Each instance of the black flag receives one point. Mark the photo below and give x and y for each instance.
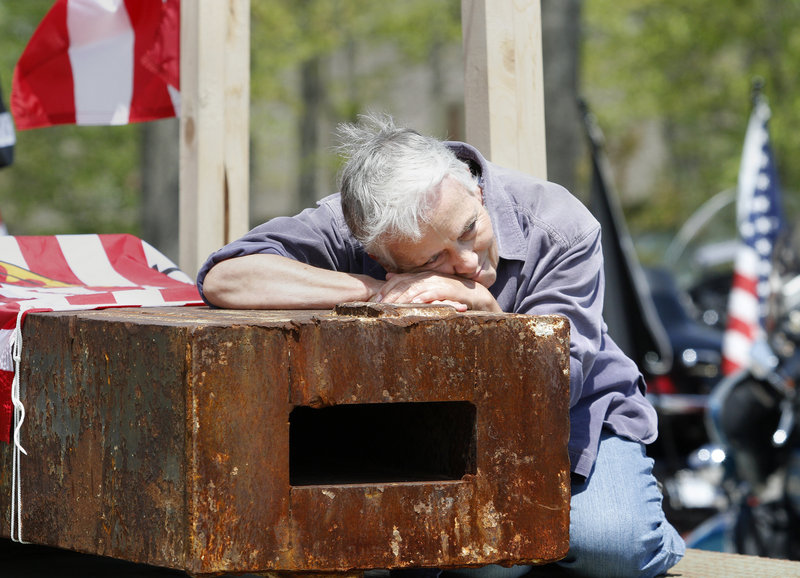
(7, 137)
(628, 309)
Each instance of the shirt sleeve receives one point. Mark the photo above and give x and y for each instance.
(565, 277)
(317, 236)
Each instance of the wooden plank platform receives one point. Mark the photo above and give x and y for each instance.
(705, 564)
(213, 441)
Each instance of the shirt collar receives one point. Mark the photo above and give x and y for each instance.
(499, 203)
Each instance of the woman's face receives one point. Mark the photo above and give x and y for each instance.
(457, 240)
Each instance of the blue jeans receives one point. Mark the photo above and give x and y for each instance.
(617, 526)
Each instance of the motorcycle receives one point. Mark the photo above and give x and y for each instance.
(753, 421)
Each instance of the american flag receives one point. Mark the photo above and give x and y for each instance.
(100, 62)
(759, 220)
(66, 273)
(77, 272)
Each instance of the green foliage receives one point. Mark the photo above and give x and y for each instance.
(76, 179)
(683, 64)
(69, 179)
(286, 34)
(690, 65)
(65, 179)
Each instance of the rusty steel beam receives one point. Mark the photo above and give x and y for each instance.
(371, 436)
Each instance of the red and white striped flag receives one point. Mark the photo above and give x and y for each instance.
(759, 220)
(100, 62)
(75, 272)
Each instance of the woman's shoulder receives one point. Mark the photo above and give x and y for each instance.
(546, 206)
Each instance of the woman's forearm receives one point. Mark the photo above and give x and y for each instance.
(263, 281)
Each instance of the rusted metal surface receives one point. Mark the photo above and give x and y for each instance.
(163, 436)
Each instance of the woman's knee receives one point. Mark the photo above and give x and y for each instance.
(617, 526)
(611, 546)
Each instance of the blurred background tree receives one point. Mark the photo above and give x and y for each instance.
(669, 81)
(64, 179)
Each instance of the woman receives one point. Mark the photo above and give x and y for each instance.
(424, 221)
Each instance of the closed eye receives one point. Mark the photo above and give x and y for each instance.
(469, 230)
(432, 260)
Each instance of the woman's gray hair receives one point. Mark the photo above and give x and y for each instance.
(391, 179)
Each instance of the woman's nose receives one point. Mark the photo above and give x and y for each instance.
(465, 263)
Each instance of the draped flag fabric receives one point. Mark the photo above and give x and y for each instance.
(75, 272)
(7, 136)
(759, 221)
(100, 62)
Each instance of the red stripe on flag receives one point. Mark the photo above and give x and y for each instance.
(740, 326)
(9, 308)
(183, 293)
(7, 378)
(150, 99)
(729, 366)
(6, 405)
(96, 299)
(44, 257)
(126, 255)
(43, 92)
(164, 56)
(745, 283)
(8, 316)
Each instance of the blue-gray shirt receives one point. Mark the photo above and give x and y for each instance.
(550, 262)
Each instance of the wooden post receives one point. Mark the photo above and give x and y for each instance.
(503, 82)
(214, 137)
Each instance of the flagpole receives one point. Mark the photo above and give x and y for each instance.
(503, 83)
(757, 90)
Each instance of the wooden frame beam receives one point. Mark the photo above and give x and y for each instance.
(503, 94)
(503, 82)
(214, 135)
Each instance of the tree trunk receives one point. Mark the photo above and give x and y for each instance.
(561, 30)
(311, 89)
(160, 170)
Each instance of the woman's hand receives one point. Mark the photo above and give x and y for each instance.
(432, 287)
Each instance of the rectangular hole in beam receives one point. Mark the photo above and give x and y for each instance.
(381, 442)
